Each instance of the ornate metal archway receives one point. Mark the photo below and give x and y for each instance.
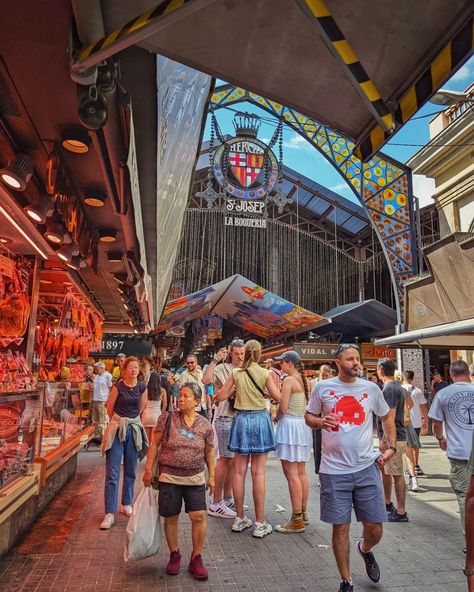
(382, 185)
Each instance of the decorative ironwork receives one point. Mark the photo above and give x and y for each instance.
(382, 185)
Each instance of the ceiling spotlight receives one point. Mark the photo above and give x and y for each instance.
(67, 253)
(48, 282)
(114, 257)
(125, 306)
(76, 140)
(76, 263)
(41, 209)
(17, 172)
(121, 278)
(107, 235)
(4, 240)
(94, 198)
(54, 233)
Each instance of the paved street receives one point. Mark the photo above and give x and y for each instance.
(425, 554)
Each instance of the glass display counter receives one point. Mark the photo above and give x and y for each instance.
(19, 433)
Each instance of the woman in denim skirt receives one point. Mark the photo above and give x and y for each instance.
(251, 434)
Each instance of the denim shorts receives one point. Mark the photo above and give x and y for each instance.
(362, 490)
(252, 433)
(171, 497)
(223, 426)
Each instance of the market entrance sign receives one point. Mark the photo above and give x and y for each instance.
(371, 352)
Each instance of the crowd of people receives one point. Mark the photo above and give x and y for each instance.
(195, 442)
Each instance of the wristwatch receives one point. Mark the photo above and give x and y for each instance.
(468, 571)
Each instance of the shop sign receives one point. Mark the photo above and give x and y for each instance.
(316, 351)
(9, 422)
(247, 222)
(114, 344)
(372, 352)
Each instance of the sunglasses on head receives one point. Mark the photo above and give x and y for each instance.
(343, 346)
(237, 343)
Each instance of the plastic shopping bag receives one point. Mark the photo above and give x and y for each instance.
(143, 534)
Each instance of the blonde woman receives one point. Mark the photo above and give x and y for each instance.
(294, 439)
(251, 434)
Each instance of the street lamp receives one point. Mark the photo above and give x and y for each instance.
(449, 98)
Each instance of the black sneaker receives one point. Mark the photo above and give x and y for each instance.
(390, 508)
(371, 566)
(396, 517)
(346, 586)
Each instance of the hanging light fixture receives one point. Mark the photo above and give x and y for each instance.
(54, 233)
(107, 235)
(75, 139)
(94, 198)
(114, 257)
(17, 172)
(76, 263)
(67, 253)
(39, 210)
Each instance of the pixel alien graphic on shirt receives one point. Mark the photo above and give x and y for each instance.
(349, 408)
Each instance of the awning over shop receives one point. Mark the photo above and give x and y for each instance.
(361, 67)
(244, 304)
(362, 319)
(458, 335)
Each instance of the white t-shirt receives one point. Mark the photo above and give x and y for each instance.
(350, 449)
(455, 406)
(418, 399)
(102, 386)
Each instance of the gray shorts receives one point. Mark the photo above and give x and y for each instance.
(223, 426)
(413, 436)
(362, 490)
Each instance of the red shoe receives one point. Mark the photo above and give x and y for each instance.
(196, 567)
(174, 564)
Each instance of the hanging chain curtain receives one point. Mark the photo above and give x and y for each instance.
(211, 252)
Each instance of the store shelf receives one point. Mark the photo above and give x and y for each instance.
(15, 495)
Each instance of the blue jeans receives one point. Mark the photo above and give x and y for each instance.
(113, 458)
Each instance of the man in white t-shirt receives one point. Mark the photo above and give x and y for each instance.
(217, 373)
(419, 421)
(453, 408)
(194, 374)
(100, 394)
(349, 475)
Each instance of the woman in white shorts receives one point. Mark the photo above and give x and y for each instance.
(294, 439)
(156, 402)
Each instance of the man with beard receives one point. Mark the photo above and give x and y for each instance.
(216, 373)
(349, 475)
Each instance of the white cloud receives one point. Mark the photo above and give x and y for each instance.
(464, 74)
(297, 142)
(423, 188)
(338, 187)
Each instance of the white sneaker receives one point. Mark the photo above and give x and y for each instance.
(241, 524)
(220, 510)
(413, 485)
(262, 529)
(230, 503)
(127, 510)
(107, 522)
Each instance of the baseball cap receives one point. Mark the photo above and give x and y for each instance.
(289, 356)
(99, 365)
(120, 356)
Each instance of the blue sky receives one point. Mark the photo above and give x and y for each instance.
(301, 156)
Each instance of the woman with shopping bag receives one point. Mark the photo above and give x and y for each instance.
(185, 442)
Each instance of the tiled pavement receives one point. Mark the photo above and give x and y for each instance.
(423, 555)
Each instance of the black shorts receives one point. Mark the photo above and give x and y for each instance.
(171, 496)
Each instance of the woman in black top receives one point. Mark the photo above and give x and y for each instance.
(125, 437)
